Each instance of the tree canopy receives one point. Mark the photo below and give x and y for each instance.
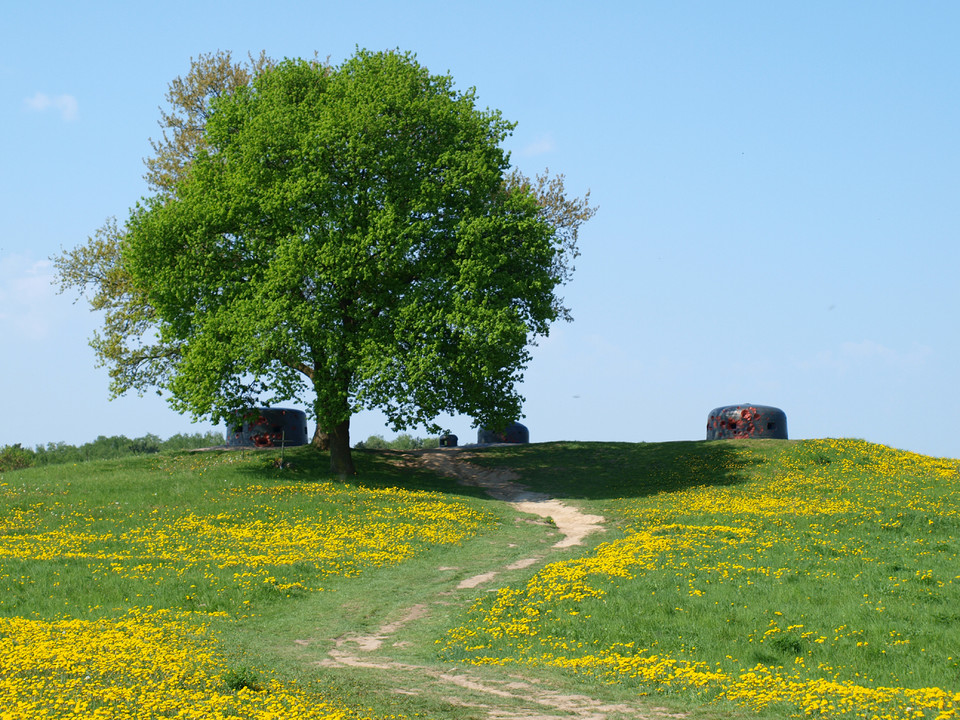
(353, 234)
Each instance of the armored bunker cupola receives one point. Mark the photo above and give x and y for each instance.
(746, 421)
(513, 433)
(268, 427)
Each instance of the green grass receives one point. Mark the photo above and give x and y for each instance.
(817, 560)
(262, 554)
(176, 530)
(781, 577)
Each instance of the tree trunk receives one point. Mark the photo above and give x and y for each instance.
(321, 439)
(341, 460)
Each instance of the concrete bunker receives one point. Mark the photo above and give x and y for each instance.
(448, 440)
(269, 427)
(746, 421)
(513, 433)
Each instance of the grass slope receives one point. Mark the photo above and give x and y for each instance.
(779, 577)
(814, 577)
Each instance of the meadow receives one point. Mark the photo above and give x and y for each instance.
(735, 579)
(794, 578)
(115, 576)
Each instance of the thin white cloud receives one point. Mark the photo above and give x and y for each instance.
(66, 105)
(28, 304)
(541, 146)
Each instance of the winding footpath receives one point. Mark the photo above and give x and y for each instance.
(502, 484)
(490, 696)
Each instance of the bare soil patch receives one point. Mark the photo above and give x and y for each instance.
(502, 484)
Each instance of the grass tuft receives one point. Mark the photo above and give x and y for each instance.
(242, 678)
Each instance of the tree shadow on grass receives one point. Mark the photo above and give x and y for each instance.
(576, 470)
(376, 469)
(607, 470)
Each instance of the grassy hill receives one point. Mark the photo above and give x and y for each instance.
(734, 579)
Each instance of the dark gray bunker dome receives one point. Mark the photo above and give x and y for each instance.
(746, 421)
(513, 433)
(269, 427)
(448, 440)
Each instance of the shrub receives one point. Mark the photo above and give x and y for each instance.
(14, 457)
(404, 441)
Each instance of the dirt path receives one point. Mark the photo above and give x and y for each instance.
(502, 484)
(488, 695)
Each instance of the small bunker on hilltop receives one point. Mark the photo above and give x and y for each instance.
(268, 427)
(746, 421)
(513, 433)
(448, 440)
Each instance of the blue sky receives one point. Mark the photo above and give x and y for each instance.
(777, 187)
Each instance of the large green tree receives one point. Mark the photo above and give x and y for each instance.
(349, 233)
